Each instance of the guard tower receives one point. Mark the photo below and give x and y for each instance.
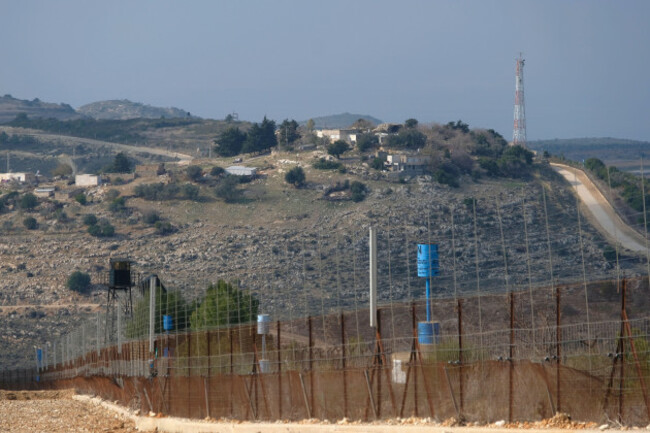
(120, 283)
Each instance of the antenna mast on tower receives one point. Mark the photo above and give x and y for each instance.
(519, 132)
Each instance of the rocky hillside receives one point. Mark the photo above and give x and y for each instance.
(11, 107)
(300, 251)
(122, 109)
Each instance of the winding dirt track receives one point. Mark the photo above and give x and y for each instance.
(183, 158)
(600, 211)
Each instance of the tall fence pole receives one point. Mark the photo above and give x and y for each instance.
(558, 350)
(343, 366)
(461, 360)
(311, 366)
(152, 312)
(621, 401)
(279, 345)
(511, 357)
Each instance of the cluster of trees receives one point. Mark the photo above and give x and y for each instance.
(324, 164)
(259, 138)
(100, 228)
(627, 184)
(223, 304)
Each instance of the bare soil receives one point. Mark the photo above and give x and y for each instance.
(56, 412)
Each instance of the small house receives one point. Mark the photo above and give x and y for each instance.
(44, 192)
(88, 180)
(240, 170)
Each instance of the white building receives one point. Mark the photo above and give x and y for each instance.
(18, 177)
(240, 170)
(347, 135)
(87, 180)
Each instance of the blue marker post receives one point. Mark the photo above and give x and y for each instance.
(428, 266)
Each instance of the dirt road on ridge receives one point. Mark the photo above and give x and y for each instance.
(601, 213)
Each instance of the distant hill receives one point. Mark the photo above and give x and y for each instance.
(11, 107)
(342, 120)
(606, 149)
(123, 109)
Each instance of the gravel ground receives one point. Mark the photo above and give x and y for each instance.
(56, 412)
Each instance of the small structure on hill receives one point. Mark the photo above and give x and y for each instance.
(18, 177)
(44, 192)
(88, 180)
(240, 170)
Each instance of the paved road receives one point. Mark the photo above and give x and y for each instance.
(601, 212)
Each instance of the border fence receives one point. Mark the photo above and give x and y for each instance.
(535, 312)
(531, 355)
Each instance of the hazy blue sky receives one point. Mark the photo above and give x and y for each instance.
(586, 74)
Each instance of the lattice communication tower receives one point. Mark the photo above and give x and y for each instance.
(519, 132)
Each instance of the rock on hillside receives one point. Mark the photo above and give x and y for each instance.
(125, 109)
(10, 107)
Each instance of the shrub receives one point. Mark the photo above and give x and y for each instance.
(90, 219)
(103, 229)
(117, 205)
(217, 171)
(358, 191)
(323, 164)
(151, 217)
(80, 198)
(28, 201)
(227, 189)
(295, 176)
(112, 194)
(30, 223)
(377, 164)
(79, 282)
(194, 173)
(164, 227)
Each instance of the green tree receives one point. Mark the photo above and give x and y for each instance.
(261, 137)
(90, 219)
(366, 141)
(121, 164)
(28, 201)
(310, 125)
(79, 282)
(30, 223)
(358, 190)
(81, 198)
(295, 176)
(411, 123)
(288, 131)
(408, 138)
(515, 161)
(338, 148)
(230, 142)
(168, 303)
(224, 304)
(194, 173)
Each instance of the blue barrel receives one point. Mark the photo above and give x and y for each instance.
(168, 323)
(428, 265)
(428, 332)
(425, 332)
